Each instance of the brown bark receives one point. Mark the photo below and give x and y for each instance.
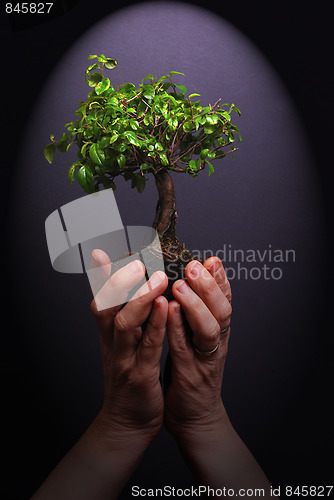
(165, 217)
(175, 255)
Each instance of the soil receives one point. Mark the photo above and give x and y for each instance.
(176, 257)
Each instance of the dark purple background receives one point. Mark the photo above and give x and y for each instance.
(271, 193)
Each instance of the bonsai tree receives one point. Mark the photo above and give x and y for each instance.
(145, 131)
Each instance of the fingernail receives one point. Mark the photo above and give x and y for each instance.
(158, 301)
(177, 307)
(182, 287)
(157, 278)
(195, 270)
(134, 267)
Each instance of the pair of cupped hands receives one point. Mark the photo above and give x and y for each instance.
(134, 405)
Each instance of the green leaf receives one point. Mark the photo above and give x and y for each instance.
(86, 179)
(102, 86)
(149, 92)
(93, 57)
(132, 138)
(108, 183)
(134, 125)
(83, 149)
(94, 79)
(211, 169)
(128, 175)
(148, 77)
(212, 119)
(141, 183)
(237, 110)
(147, 119)
(100, 170)
(193, 165)
(182, 88)
(193, 95)
(114, 137)
(158, 146)
(204, 153)
(145, 166)
(96, 154)
(235, 128)
(127, 87)
(49, 151)
(163, 158)
(91, 68)
(209, 129)
(162, 78)
(173, 123)
(62, 145)
(141, 108)
(113, 101)
(176, 73)
(110, 63)
(72, 170)
(226, 115)
(102, 58)
(104, 142)
(121, 147)
(188, 126)
(121, 160)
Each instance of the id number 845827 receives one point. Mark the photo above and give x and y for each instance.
(28, 8)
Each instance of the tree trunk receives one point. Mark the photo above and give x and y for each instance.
(165, 217)
(175, 255)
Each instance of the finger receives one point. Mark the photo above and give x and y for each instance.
(99, 270)
(216, 269)
(205, 327)
(179, 345)
(206, 287)
(150, 348)
(100, 262)
(128, 321)
(113, 294)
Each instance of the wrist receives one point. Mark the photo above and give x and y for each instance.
(113, 435)
(198, 433)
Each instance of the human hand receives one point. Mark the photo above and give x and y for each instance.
(193, 399)
(133, 401)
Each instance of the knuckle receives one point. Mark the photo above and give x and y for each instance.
(211, 334)
(124, 377)
(227, 312)
(211, 287)
(228, 295)
(154, 323)
(149, 342)
(120, 323)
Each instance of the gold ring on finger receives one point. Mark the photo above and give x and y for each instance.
(225, 330)
(205, 353)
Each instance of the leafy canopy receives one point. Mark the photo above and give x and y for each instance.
(132, 131)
